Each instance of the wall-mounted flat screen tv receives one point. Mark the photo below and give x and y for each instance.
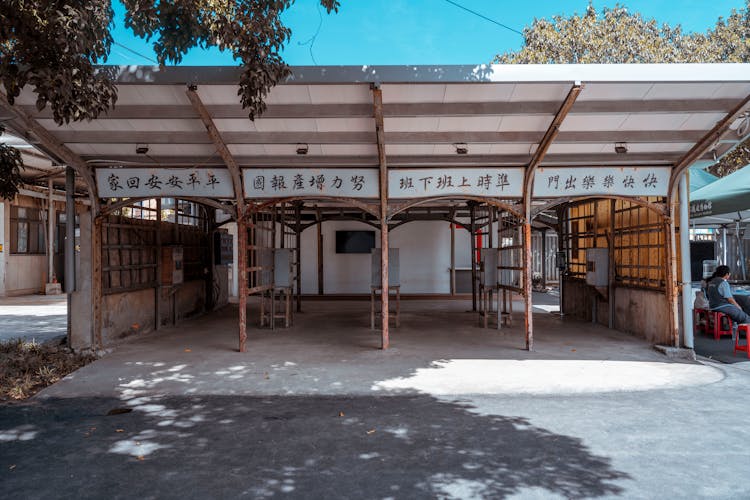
(355, 241)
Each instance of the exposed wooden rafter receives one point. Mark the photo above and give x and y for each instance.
(544, 145)
(708, 142)
(24, 125)
(345, 110)
(221, 147)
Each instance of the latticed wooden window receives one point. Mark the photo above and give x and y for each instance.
(635, 234)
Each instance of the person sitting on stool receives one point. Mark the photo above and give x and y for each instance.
(720, 297)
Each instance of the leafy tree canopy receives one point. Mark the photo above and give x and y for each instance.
(616, 35)
(54, 46)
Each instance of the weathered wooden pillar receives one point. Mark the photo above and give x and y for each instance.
(528, 320)
(543, 258)
(453, 259)
(242, 273)
(298, 243)
(671, 270)
(320, 257)
(97, 295)
(157, 242)
(377, 94)
(473, 247)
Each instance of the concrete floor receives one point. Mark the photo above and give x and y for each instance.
(318, 411)
(34, 317)
(331, 350)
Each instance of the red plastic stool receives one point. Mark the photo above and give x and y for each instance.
(744, 328)
(719, 328)
(698, 315)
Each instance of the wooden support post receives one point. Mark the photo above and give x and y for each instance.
(157, 295)
(320, 258)
(671, 274)
(612, 270)
(527, 286)
(298, 243)
(384, 334)
(242, 273)
(70, 224)
(453, 259)
(97, 295)
(472, 243)
(377, 94)
(543, 258)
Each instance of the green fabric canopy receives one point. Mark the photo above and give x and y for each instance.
(728, 195)
(700, 178)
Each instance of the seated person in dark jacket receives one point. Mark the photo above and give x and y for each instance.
(720, 296)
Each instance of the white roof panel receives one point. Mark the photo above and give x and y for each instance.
(410, 124)
(425, 100)
(408, 93)
(614, 91)
(525, 123)
(479, 92)
(156, 95)
(593, 122)
(540, 92)
(340, 94)
(468, 123)
(345, 124)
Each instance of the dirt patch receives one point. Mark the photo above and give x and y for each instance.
(27, 367)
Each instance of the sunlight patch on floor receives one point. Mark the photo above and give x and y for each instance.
(487, 376)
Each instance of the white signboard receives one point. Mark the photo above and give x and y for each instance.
(164, 182)
(328, 182)
(622, 181)
(429, 182)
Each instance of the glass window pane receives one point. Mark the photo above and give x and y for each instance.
(23, 237)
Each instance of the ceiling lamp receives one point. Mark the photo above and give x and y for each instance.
(302, 149)
(461, 148)
(621, 148)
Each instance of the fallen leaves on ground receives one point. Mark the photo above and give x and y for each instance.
(28, 367)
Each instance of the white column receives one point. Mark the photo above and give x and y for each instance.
(687, 289)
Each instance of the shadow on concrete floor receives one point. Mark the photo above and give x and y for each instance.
(438, 349)
(302, 447)
(721, 350)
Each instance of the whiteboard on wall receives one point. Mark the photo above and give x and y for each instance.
(436, 182)
(556, 182)
(164, 182)
(325, 182)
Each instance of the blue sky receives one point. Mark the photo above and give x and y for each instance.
(422, 31)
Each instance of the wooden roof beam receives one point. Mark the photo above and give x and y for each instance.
(392, 110)
(24, 124)
(544, 146)
(221, 147)
(708, 142)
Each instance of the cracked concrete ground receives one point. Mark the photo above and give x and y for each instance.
(317, 411)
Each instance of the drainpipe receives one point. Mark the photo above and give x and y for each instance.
(687, 289)
(50, 234)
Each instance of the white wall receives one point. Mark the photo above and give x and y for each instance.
(424, 249)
